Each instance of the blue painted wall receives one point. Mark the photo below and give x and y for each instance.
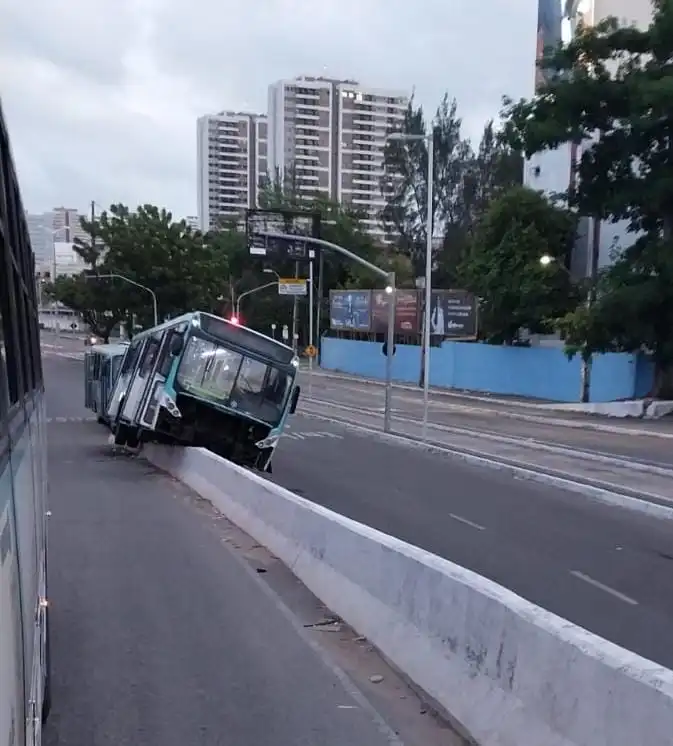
(534, 372)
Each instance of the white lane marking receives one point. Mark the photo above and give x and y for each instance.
(603, 587)
(460, 519)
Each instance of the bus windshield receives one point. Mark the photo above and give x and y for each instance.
(217, 373)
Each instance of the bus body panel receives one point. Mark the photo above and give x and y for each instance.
(23, 479)
(101, 366)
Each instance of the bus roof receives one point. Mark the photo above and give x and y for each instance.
(268, 346)
(112, 349)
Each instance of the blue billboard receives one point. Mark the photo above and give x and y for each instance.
(350, 310)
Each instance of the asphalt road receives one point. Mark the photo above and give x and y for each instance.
(161, 634)
(607, 569)
(603, 568)
(496, 418)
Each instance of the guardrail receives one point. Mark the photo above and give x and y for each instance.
(509, 672)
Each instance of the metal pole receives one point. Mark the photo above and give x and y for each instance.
(428, 283)
(310, 326)
(295, 311)
(250, 292)
(390, 345)
(155, 307)
(328, 245)
(318, 313)
(585, 370)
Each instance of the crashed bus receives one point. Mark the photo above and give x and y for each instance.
(201, 380)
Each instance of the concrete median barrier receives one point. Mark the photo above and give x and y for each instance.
(510, 673)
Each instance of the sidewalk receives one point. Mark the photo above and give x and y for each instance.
(525, 409)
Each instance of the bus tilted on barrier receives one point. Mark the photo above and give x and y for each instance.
(24, 642)
(201, 380)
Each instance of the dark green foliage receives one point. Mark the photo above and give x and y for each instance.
(504, 268)
(616, 83)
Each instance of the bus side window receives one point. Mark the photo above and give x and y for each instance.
(166, 359)
(95, 374)
(149, 357)
(131, 357)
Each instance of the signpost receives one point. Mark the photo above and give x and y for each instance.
(264, 228)
(292, 286)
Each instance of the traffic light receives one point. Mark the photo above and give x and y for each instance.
(233, 319)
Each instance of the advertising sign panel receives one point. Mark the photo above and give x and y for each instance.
(407, 311)
(350, 310)
(453, 314)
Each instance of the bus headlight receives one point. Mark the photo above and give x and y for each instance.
(269, 442)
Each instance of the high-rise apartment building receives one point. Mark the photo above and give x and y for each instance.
(551, 171)
(66, 226)
(39, 230)
(330, 136)
(61, 225)
(231, 151)
(365, 118)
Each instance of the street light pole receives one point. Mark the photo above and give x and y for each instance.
(250, 292)
(430, 140)
(390, 289)
(134, 283)
(428, 283)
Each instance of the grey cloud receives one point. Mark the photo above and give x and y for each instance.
(102, 97)
(89, 39)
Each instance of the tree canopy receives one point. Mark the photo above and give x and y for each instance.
(610, 92)
(464, 182)
(504, 266)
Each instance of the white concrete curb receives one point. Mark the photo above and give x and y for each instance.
(509, 672)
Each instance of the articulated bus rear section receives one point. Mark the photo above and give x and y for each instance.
(24, 650)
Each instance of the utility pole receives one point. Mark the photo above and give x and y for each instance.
(93, 229)
(295, 311)
(585, 371)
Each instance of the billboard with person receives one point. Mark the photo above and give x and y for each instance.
(453, 314)
(407, 311)
(350, 310)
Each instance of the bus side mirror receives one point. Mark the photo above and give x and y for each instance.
(295, 399)
(177, 343)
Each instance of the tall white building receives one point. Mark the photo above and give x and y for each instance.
(550, 171)
(39, 230)
(231, 150)
(330, 134)
(66, 226)
(46, 229)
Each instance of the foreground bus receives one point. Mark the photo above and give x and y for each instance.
(200, 380)
(102, 363)
(24, 650)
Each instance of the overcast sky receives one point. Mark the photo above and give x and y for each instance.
(101, 96)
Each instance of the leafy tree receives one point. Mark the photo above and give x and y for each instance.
(404, 184)
(610, 89)
(100, 311)
(505, 271)
(463, 185)
(184, 268)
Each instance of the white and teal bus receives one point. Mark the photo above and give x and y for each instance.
(200, 380)
(24, 648)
